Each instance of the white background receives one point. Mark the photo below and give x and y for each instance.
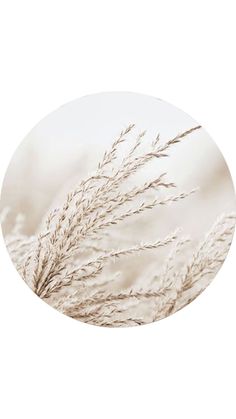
(53, 52)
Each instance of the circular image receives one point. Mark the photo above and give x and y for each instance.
(118, 209)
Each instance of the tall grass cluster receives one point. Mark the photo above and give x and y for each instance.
(65, 262)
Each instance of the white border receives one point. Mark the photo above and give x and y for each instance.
(54, 52)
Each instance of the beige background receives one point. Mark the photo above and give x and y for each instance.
(67, 144)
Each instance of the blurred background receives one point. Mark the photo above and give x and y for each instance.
(67, 145)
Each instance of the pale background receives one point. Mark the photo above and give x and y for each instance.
(183, 366)
(66, 146)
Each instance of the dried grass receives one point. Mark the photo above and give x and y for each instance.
(53, 264)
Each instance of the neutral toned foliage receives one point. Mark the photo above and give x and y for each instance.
(65, 262)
